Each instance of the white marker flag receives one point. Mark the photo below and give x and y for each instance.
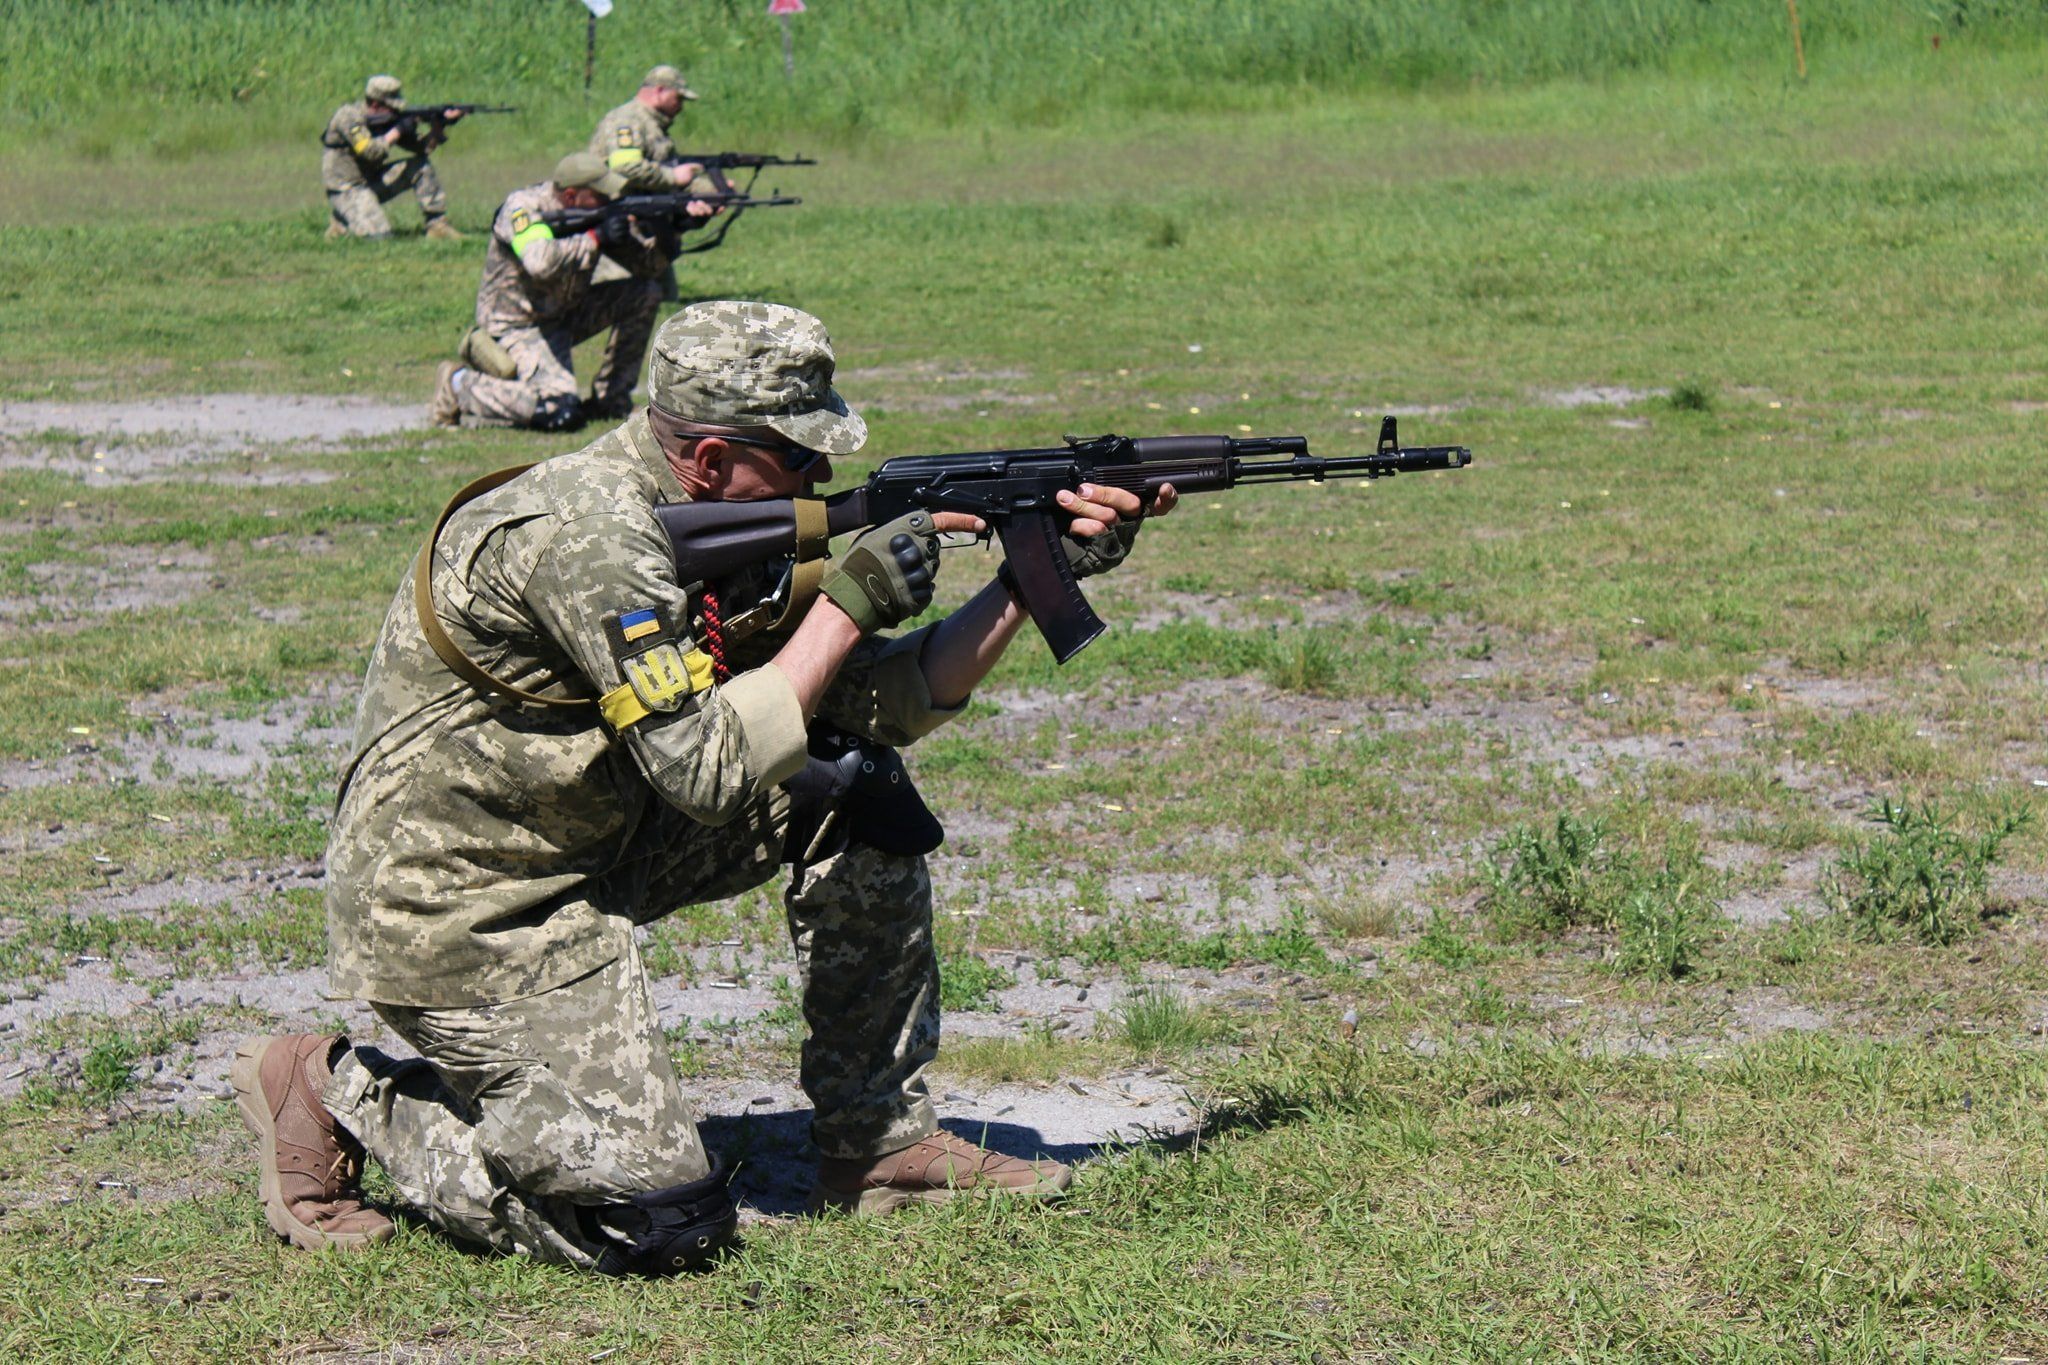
(598, 8)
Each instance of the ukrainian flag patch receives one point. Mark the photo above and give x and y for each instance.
(634, 624)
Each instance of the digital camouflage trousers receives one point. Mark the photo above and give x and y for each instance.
(360, 208)
(546, 381)
(515, 1116)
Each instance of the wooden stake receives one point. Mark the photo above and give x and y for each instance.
(589, 50)
(1798, 47)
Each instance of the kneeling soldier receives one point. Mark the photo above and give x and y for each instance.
(559, 741)
(360, 174)
(541, 295)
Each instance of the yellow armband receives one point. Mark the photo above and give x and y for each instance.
(657, 680)
(527, 229)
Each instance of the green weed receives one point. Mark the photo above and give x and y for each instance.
(1662, 926)
(1442, 942)
(1920, 874)
(1158, 1021)
(968, 983)
(1549, 881)
(1691, 395)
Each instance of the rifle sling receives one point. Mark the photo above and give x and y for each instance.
(813, 543)
(449, 652)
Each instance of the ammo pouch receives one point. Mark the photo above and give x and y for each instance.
(865, 786)
(683, 1227)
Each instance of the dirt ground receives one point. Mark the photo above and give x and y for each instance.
(1536, 704)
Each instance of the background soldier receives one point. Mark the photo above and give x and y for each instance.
(492, 852)
(633, 138)
(360, 174)
(540, 296)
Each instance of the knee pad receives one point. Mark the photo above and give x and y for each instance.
(683, 1227)
(558, 412)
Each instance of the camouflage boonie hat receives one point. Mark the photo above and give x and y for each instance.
(385, 90)
(738, 364)
(666, 77)
(586, 171)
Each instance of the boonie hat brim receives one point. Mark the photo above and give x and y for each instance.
(834, 428)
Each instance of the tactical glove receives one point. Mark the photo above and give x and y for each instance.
(615, 230)
(1102, 551)
(886, 576)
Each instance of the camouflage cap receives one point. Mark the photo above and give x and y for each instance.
(666, 77)
(732, 363)
(385, 90)
(586, 171)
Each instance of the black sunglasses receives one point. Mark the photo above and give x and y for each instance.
(795, 458)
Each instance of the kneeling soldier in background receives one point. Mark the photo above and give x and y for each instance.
(541, 294)
(360, 174)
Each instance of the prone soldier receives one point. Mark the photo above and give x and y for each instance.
(360, 174)
(558, 741)
(542, 294)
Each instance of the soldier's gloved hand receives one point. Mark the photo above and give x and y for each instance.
(614, 230)
(1102, 551)
(886, 575)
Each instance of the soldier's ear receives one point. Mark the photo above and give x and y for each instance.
(711, 459)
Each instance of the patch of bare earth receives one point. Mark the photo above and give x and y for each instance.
(171, 744)
(71, 594)
(240, 439)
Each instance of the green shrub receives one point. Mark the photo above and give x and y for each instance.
(968, 983)
(1692, 395)
(1303, 661)
(1555, 880)
(1662, 925)
(1444, 944)
(1157, 1021)
(1919, 874)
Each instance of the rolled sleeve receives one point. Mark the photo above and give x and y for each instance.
(771, 721)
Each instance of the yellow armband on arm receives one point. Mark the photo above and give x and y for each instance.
(527, 229)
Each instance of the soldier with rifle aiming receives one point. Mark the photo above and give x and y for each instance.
(633, 138)
(545, 289)
(360, 173)
(561, 737)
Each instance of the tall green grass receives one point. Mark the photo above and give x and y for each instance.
(175, 78)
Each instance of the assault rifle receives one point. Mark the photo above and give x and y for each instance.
(424, 127)
(667, 215)
(1016, 491)
(716, 164)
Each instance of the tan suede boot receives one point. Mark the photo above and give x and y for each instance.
(932, 1171)
(441, 230)
(443, 410)
(310, 1167)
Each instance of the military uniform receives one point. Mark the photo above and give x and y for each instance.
(489, 861)
(360, 172)
(633, 140)
(539, 298)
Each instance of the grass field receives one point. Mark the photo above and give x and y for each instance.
(1472, 879)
